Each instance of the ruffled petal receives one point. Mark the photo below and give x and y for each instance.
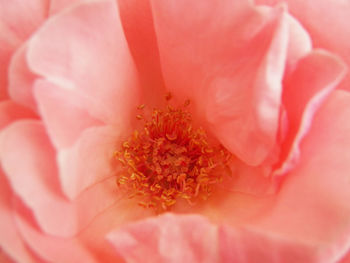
(167, 238)
(229, 58)
(50, 248)
(18, 20)
(326, 22)
(307, 87)
(89, 161)
(312, 205)
(36, 181)
(10, 239)
(11, 111)
(59, 5)
(93, 61)
(21, 79)
(242, 245)
(308, 219)
(63, 113)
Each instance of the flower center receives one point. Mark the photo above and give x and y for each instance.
(169, 159)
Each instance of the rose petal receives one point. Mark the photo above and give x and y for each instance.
(10, 239)
(39, 188)
(229, 58)
(248, 245)
(93, 61)
(63, 113)
(50, 248)
(308, 219)
(313, 202)
(137, 20)
(167, 238)
(299, 43)
(59, 5)
(11, 111)
(94, 237)
(19, 19)
(315, 77)
(21, 79)
(89, 160)
(326, 22)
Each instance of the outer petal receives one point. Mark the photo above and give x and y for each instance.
(63, 113)
(326, 22)
(89, 160)
(50, 248)
(167, 238)
(307, 87)
(93, 61)
(18, 20)
(250, 245)
(313, 202)
(10, 239)
(59, 5)
(308, 219)
(229, 58)
(36, 181)
(11, 111)
(21, 79)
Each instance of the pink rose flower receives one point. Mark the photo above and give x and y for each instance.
(266, 80)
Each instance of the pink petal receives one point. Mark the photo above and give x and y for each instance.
(308, 219)
(299, 43)
(50, 248)
(229, 58)
(123, 212)
(167, 238)
(250, 245)
(11, 111)
(137, 20)
(10, 240)
(312, 81)
(19, 19)
(21, 79)
(313, 202)
(89, 160)
(63, 113)
(93, 61)
(345, 259)
(59, 5)
(326, 22)
(39, 189)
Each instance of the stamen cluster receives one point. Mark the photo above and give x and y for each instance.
(169, 159)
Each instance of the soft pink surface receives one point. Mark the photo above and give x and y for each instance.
(167, 238)
(21, 79)
(293, 228)
(326, 21)
(19, 19)
(209, 64)
(11, 111)
(40, 188)
(10, 239)
(93, 61)
(315, 76)
(94, 69)
(143, 47)
(59, 5)
(89, 160)
(59, 109)
(252, 78)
